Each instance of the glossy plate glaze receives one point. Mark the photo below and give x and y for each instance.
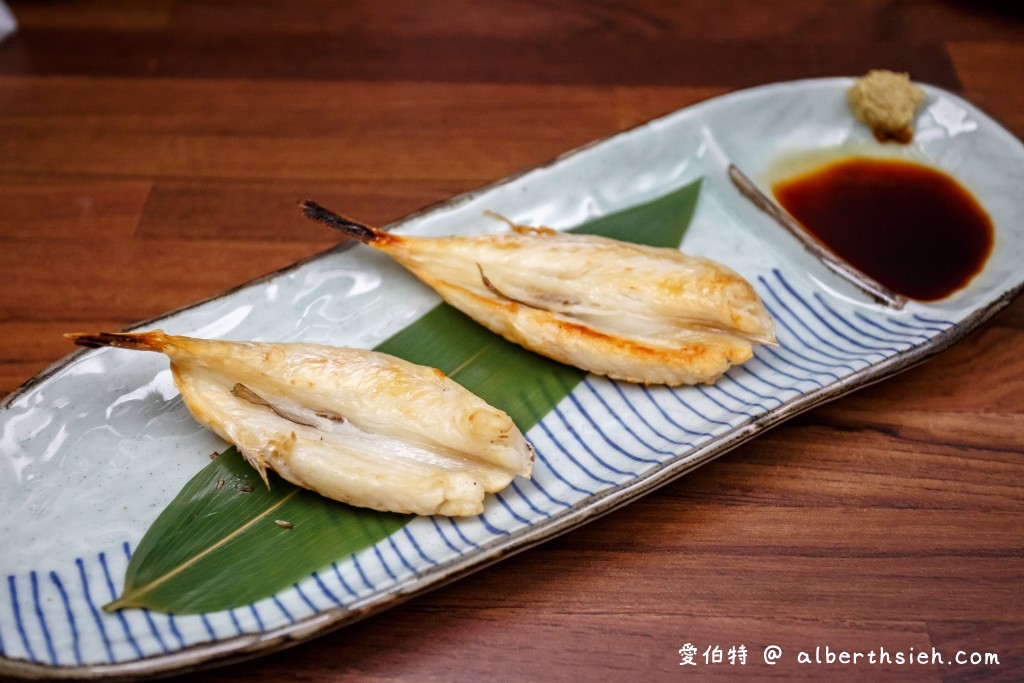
(92, 450)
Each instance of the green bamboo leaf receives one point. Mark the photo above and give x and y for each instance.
(658, 223)
(227, 540)
(219, 545)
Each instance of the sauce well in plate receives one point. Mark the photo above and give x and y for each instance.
(911, 227)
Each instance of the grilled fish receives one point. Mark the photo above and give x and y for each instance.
(358, 426)
(627, 311)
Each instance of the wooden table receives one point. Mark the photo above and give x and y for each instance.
(151, 155)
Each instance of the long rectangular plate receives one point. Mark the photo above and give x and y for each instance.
(95, 447)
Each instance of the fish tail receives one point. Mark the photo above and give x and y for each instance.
(364, 233)
(154, 340)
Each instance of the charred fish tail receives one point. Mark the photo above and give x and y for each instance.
(144, 341)
(363, 233)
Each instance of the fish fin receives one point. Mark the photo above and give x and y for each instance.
(258, 463)
(522, 229)
(536, 300)
(246, 394)
(154, 340)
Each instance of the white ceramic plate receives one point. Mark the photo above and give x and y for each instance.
(94, 449)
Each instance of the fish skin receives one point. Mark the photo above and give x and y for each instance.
(374, 430)
(701, 360)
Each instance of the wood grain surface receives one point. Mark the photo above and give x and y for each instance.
(151, 154)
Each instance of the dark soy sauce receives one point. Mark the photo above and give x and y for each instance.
(910, 227)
